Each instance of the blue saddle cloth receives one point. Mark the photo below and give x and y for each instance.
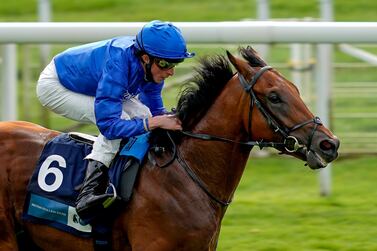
(60, 172)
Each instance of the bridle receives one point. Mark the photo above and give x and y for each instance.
(289, 142)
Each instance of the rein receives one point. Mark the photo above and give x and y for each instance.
(177, 156)
(199, 182)
(290, 143)
(209, 137)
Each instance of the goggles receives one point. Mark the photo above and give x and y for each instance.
(165, 65)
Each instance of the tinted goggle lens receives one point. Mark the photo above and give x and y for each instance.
(163, 64)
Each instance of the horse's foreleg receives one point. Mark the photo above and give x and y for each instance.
(214, 240)
(8, 241)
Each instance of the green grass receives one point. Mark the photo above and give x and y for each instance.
(277, 207)
(181, 10)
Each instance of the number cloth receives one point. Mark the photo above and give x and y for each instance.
(59, 173)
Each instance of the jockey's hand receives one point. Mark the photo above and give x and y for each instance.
(169, 122)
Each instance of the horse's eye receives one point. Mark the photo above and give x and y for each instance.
(274, 98)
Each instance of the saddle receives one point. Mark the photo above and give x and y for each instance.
(59, 174)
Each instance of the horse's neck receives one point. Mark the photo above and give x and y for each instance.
(219, 164)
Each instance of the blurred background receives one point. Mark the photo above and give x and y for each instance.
(280, 204)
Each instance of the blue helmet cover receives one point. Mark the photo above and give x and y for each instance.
(162, 40)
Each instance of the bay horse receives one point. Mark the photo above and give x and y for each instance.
(181, 206)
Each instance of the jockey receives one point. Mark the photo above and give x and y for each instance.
(115, 84)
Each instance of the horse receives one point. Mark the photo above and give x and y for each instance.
(181, 195)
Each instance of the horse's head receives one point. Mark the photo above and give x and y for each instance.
(278, 114)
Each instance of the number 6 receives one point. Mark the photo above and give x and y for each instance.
(46, 170)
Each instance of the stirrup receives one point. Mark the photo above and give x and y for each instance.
(110, 201)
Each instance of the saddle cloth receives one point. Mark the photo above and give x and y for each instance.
(59, 174)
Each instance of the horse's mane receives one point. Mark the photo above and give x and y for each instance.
(200, 91)
(210, 77)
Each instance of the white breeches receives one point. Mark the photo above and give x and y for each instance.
(53, 95)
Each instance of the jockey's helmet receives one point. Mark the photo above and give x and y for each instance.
(162, 40)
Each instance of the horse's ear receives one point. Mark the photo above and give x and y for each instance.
(242, 66)
(252, 56)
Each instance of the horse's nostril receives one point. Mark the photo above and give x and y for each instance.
(329, 145)
(326, 145)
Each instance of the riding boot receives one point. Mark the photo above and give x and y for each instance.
(93, 196)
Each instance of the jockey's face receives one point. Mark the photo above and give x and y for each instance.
(159, 74)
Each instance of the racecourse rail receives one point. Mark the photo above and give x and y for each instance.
(197, 32)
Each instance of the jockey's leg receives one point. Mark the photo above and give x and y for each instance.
(104, 150)
(53, 95)
(93, 195)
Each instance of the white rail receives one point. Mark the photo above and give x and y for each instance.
(359, 53)
(198, 32)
